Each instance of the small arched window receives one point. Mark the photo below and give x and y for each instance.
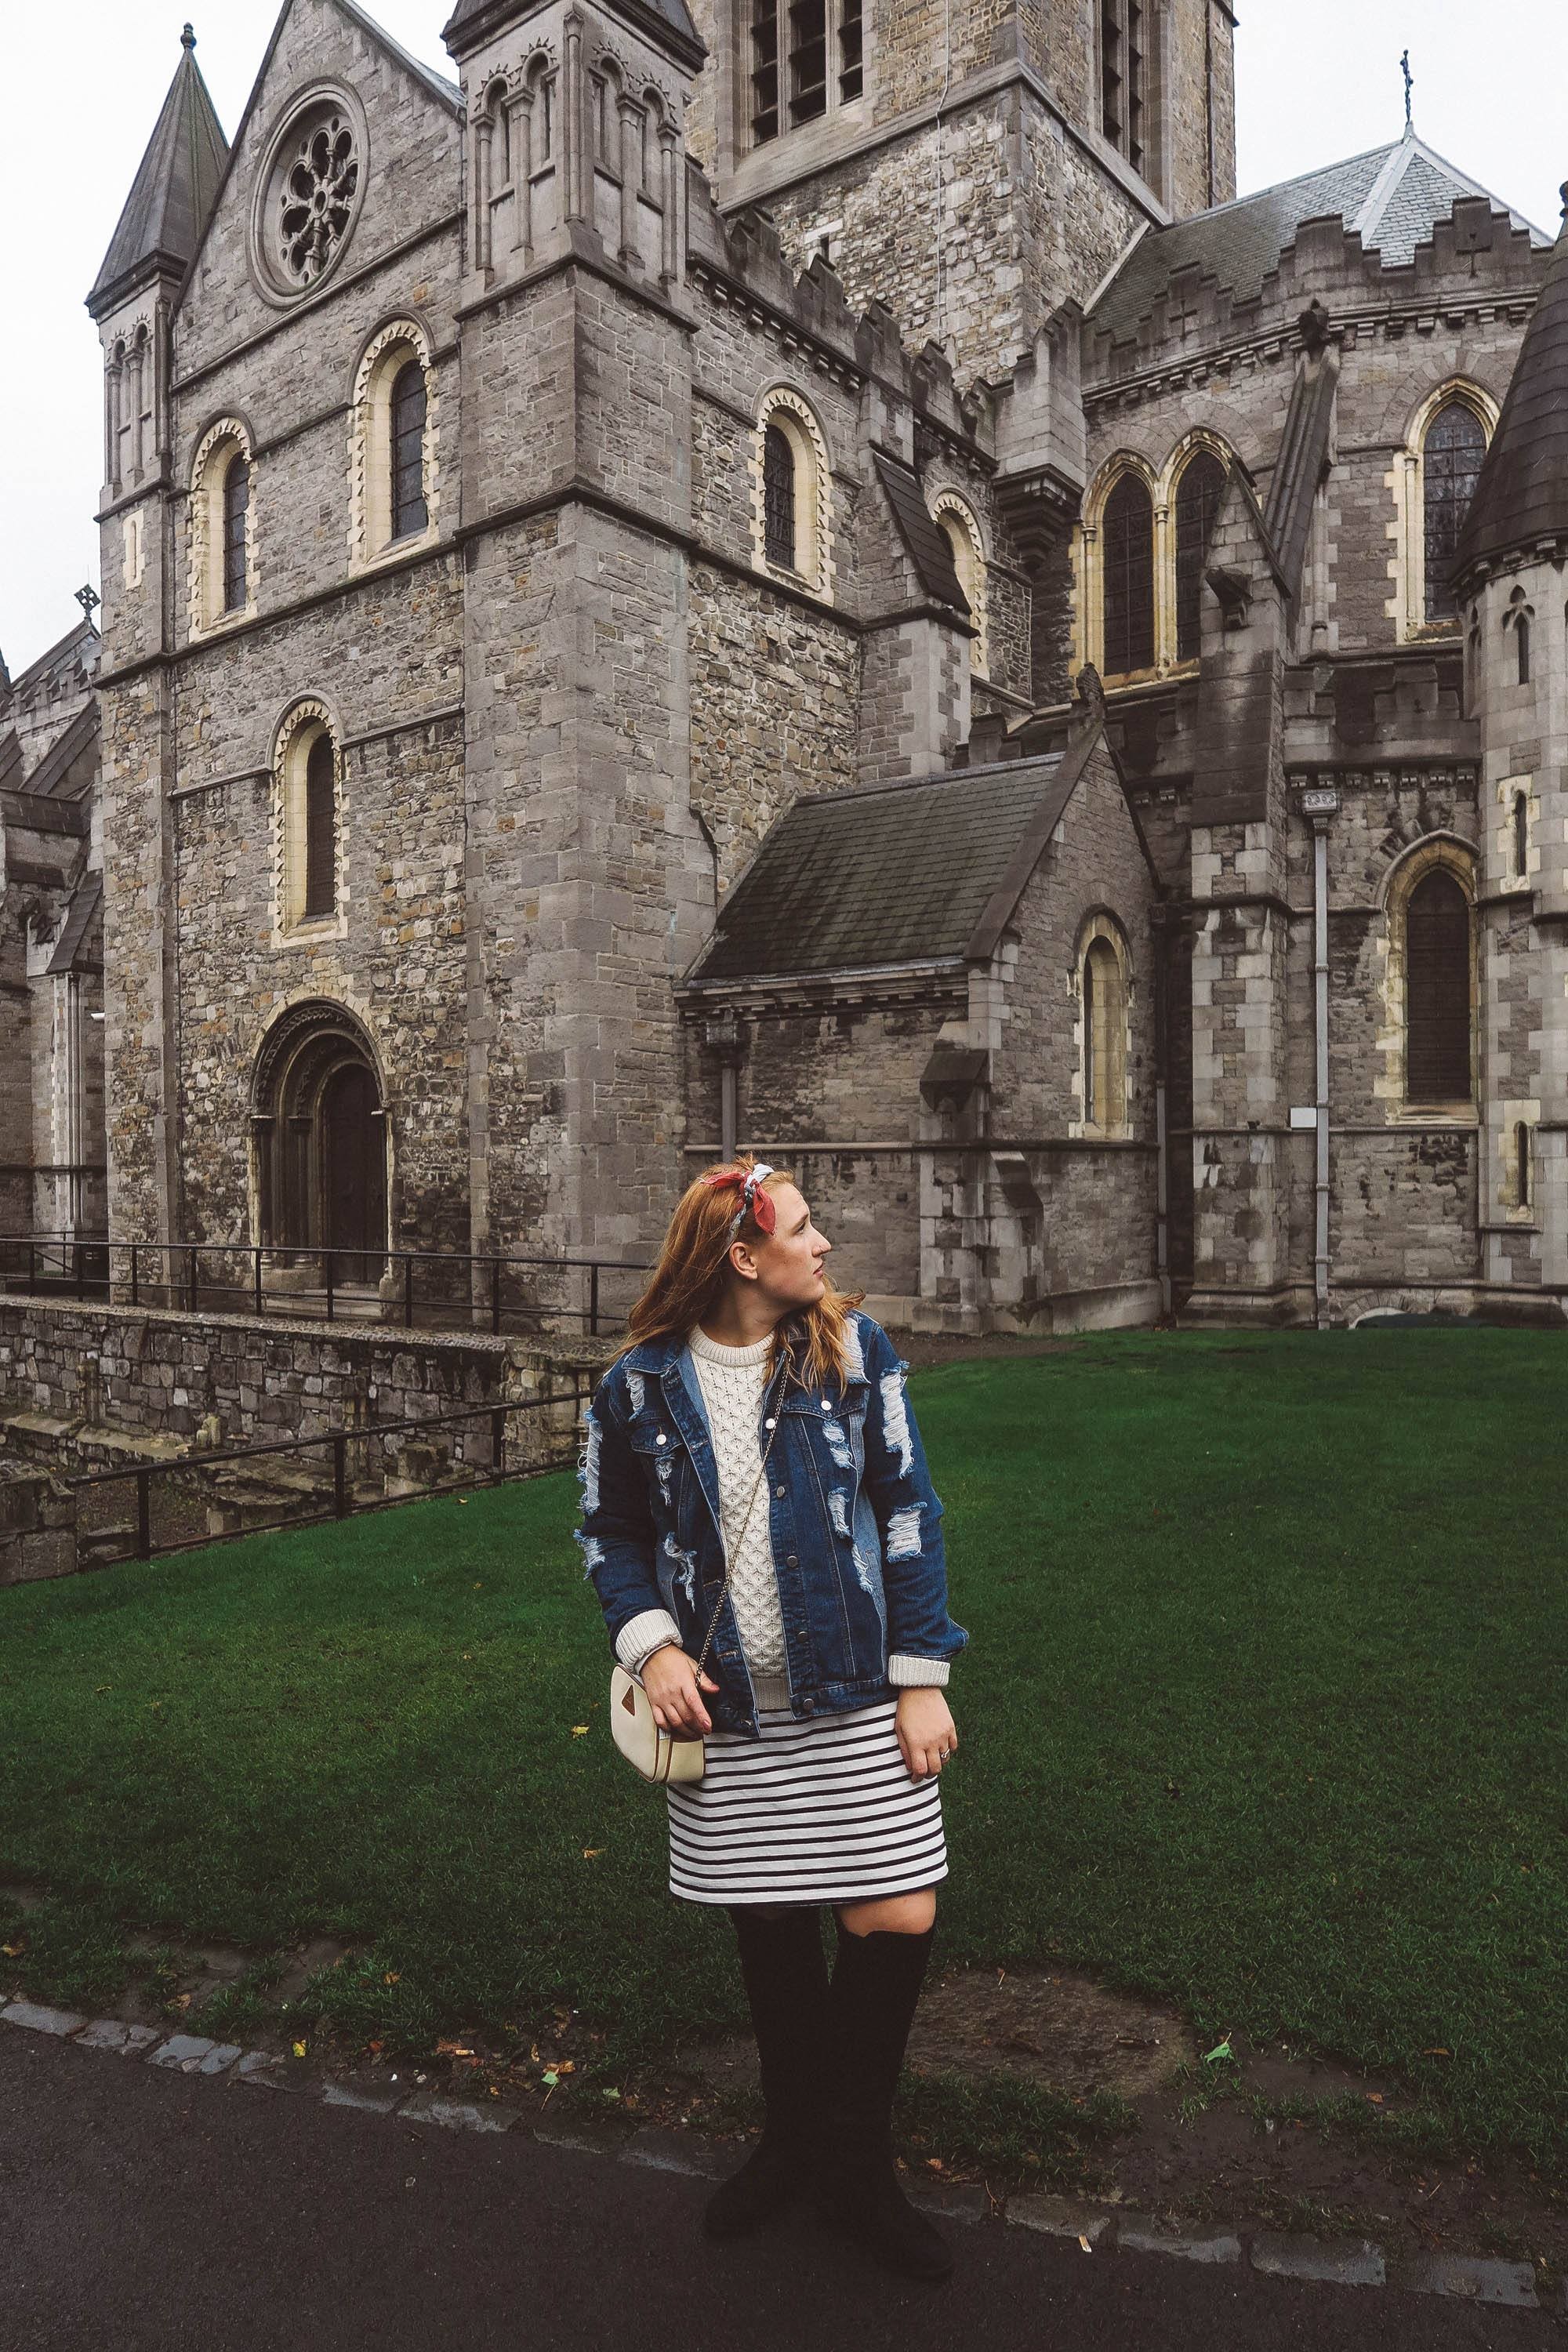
(235, 525)
(1522, 1191)
(778, 497)
(1129, 532)
(959, 528)
(1104, 1036)
(409, 511)
(1452, 453)
(1198, 494)
(1437, 991)
(321, 844)
(1521, 834)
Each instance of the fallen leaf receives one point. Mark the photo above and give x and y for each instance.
(551, 2078)
(453, 2050)
(1437, 2053)
(299, 2049)
(393, 1976)
(1220, 2049)
(1375, 2096)
(12, 1951)
(590, 1851)
(1083, 2241)
(181, 2001)
(579, 1730)
(934, 2163)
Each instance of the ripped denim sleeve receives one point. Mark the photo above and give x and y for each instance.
(616, 1527)
(909, 1512)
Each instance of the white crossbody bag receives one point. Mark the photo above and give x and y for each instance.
(660, 1755)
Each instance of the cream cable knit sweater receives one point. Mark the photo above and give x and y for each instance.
(733, 1381)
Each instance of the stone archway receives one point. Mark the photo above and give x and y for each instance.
(321, 1129)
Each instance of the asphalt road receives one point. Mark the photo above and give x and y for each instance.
(146, 2212)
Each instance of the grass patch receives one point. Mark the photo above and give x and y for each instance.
(1262, 1716)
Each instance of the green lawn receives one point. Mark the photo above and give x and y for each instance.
(1263, 1712)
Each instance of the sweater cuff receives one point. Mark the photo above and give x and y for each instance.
(910, 1673)
(639, 1637)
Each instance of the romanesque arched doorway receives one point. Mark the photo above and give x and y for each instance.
(320, 1143)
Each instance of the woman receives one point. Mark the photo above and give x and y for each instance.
(755, 1395)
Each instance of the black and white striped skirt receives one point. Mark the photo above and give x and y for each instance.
(822, 1811)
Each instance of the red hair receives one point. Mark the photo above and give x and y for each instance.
(689, 1279)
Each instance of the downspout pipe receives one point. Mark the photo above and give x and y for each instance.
(1320, 804)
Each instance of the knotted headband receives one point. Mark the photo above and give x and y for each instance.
(749, 1182)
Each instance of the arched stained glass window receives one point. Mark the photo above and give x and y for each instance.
(1129, 532)
(1454, 445)
(1198, 494)
(409, 511)
(1437, 991)
(778, 497)
(236, 512)
(321, 829)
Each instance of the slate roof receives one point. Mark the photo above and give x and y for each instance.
(52, 776)
(931, 550)
(901, 874)
(1395, 196)
(172, 194)
(76, 942)
(1522, 497)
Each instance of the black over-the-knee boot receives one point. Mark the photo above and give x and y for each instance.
(785, 1976)
(876, 1986)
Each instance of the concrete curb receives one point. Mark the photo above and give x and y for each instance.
(1348, 2262)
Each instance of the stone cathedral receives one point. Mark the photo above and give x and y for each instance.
(805, 574)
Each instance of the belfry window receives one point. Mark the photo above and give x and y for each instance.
(1452, 453)
(409, 511)
(778, 495)
(1122, 71)
(236, 520)
(807, 60)
(1437, 991)
(1129, 533)
(321, 830)
(1198, 494)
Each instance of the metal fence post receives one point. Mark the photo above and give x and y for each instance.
(258, 1282)
(498, 1442)
(191, 1282)
(594, 1300)
(134, 1293)
(340, 1474)
(143, 1515)
(327, 1262)
(495, 1296)
(408, 1290)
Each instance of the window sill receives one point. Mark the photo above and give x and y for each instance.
(787, 577)
(222, 625)
(1445, 1114)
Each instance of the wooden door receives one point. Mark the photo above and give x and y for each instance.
(353, 1176)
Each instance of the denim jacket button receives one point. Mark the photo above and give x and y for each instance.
(770, 1422)
(662, 1440)
(780, 1491)
(794, 1560)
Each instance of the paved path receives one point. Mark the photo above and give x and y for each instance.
(150, 2212)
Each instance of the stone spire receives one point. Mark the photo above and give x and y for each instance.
(172, 193)
(1521, 498)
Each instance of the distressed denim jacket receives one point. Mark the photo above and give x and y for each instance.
(856, 1528)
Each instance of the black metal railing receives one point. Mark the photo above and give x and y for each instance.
(416, 1289)
(350, 1482)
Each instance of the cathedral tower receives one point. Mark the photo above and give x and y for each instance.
(1510, 573)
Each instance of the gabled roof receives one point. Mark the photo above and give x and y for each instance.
(898, 874)
(1522, 498)
(1394, 196)
(931, 550)
(172, 194)
(472, 21)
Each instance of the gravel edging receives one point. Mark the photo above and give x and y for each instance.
(1096, 2228)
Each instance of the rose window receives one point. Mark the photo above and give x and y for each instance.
(316, 202)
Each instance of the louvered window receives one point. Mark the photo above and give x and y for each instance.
(236, 512)
(1437, 991)
(409, 511)
(1198, 494)
(321, 829)
(815, 48)
(1121, 77)
(1129, 528)
(1451, 462)
(778, 497)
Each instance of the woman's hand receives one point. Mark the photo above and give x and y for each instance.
(925, 1730)
(670, 1680)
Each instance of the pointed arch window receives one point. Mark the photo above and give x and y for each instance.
(409, 410)
(1438, 989)
(236, 532)
(778, 497)
(1452, 453)
(1198, 494)
(1104, 1035)
(1129, 533)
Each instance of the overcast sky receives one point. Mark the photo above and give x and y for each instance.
(1316, 82)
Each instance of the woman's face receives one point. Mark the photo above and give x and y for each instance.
(788, 1261)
